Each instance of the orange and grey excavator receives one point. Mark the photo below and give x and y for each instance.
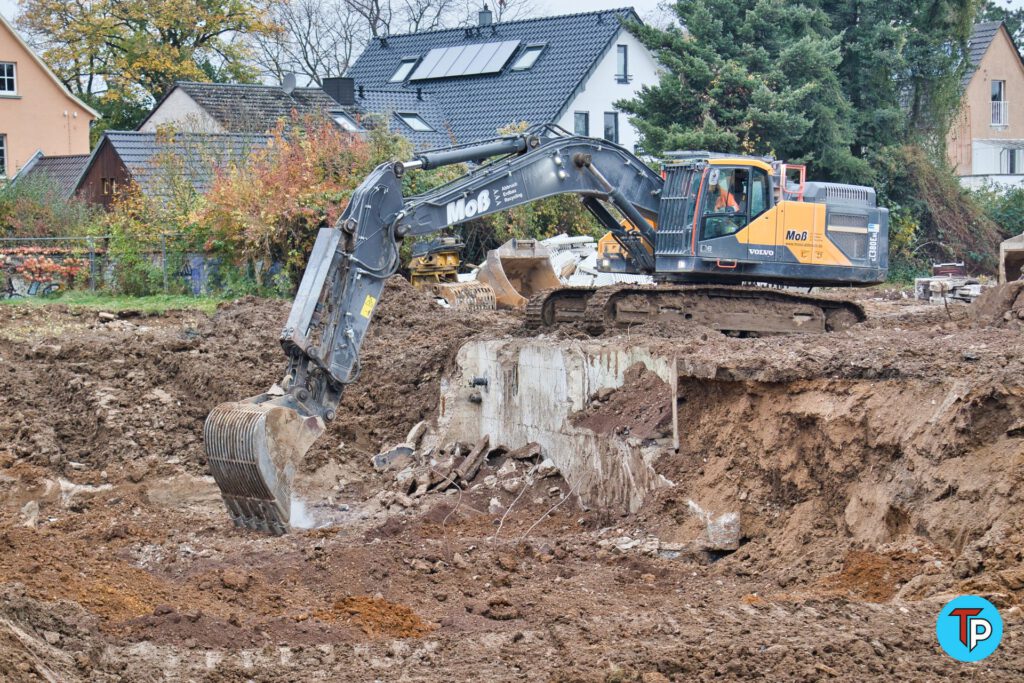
(707, 227)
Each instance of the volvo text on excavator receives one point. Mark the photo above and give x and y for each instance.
(711, 229)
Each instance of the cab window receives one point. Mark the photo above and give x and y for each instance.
(759, 193)
(725, 202)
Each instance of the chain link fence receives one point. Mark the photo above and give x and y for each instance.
(168, 263)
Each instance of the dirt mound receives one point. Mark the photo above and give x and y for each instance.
(378, 618)
(1001, 306)
(637, 408)
(80, 393)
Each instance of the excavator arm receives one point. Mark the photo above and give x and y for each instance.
(253, 446)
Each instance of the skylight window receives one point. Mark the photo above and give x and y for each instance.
(404, 69)
(528, 58)
(346, 122)
(416, 122)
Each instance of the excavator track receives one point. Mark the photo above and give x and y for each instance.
(551, 307)
(731, 309)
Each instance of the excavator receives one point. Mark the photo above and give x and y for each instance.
(722, 235)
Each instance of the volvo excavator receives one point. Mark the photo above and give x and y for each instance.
(713, 230)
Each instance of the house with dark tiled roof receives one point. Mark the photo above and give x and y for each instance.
(160, 163)
(252, 109)
(568, 69)
(986, 142)
(61, 170)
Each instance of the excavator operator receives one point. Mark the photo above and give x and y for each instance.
(725, 202)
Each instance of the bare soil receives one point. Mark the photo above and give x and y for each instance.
(877, 472)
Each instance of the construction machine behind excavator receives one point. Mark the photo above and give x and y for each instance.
(706, 226)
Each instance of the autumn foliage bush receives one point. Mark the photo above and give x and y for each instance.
(269, 209)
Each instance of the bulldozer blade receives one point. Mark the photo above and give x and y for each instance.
(466, 296)
(253, 450)
(516, 271)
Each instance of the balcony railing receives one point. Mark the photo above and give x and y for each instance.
(1000, 113)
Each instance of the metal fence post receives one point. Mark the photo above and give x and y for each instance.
(163, 258)
(92, 265)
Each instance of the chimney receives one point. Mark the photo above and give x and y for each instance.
(485, 16)
(288, 83)
(341, 90)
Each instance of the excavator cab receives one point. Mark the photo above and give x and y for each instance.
(731, 218)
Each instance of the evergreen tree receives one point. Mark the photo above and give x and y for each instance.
(751, 76)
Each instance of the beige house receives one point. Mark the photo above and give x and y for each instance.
(986, 144)
(37, 113)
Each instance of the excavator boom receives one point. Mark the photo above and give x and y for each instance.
(254, 446)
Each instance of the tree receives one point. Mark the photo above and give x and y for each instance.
(123, 54)
(313, 38)
(750, 76)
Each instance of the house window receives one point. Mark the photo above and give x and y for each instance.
(1010, 161)
(611, 126)
(1000, 110)
(416, 122)
(528, 58)
(3, 156)
(8, 84)
(622, 63)
(109, 186)
(404, 69)
(346, 123)
(581, 123)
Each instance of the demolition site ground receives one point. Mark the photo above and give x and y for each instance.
(862, 479)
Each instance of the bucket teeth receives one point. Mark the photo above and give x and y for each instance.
(252, 450)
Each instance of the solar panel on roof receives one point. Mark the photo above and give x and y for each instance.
(461, 65)
(427, 64)
(500, 57)
(464, 60)
(487, 51)
(447, 59)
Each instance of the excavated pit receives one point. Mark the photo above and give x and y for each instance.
(728, 509)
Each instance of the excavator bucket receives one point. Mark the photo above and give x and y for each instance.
(253, 449)
(466, 296)
(516, 271)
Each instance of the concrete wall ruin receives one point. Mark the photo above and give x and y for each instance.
(532, 387)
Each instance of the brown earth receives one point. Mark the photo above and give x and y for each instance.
(877, 473)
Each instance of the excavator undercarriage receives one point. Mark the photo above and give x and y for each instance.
(745, 311)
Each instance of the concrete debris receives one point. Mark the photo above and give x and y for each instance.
(396, 458)
(69, 491)
(495, 507)
(546, 468)
(722, 531)
(530, 450)
(947, 288)
(471, 465)
(30, 514)
(416, 434)
(512, 484)
(507, 469)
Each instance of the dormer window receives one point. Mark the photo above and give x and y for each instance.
(528, 58)
(416, 122)
(8, 82)
(404, 69)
